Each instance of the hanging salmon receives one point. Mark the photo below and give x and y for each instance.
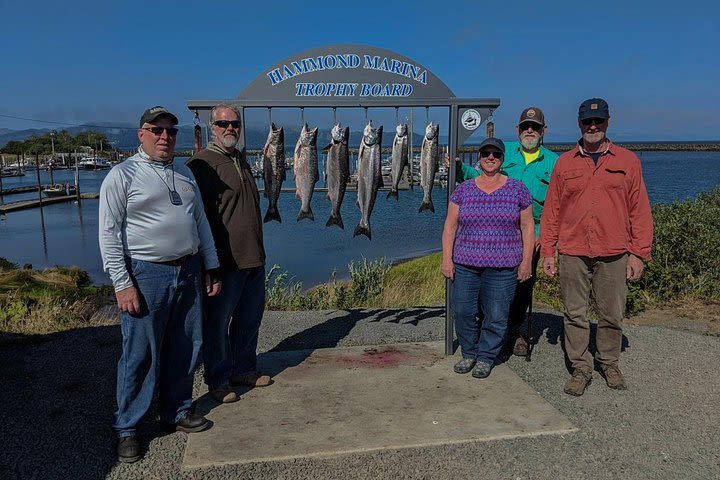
(273, 170)
(399, 158)
(305, 166)
(428, 165)
(369, 176)
(338, 172)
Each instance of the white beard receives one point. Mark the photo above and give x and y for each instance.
(228, 141)
(530, 144)
(594, 138)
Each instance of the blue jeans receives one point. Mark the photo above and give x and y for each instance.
(495, 288)
(231, 325)
(161, 344)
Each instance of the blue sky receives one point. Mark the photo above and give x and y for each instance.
(657, 66)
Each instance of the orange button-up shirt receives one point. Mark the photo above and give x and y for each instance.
(597, 211)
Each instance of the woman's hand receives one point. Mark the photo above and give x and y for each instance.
(448, 269)
(524, 271)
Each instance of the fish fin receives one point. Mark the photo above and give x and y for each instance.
(394, 194)
(380, 182)
(424, 206)
(326, 147)
(303, 215)
(284, 174)
(335, 220)
(361, 230)
(272, 214)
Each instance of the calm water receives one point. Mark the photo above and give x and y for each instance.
(66, 234)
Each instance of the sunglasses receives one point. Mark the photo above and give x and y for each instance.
(494, 153)
(527, 125)
(226, 123)
(592, 121)
(171, 131)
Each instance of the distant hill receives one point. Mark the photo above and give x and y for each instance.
(124, 136)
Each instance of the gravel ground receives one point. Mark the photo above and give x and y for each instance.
(58, 398)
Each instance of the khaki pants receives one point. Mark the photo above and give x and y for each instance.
(607, 278)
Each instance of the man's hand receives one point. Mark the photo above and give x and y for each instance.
(447, 160)
(128, 300)
(549, 266)
(212, 285)
(635, 268)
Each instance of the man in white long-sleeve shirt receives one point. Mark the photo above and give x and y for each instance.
(155, 243)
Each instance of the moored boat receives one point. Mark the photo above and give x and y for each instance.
(59, 190)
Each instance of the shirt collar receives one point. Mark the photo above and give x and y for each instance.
(235, 154)
(609, 148)
(143, 155)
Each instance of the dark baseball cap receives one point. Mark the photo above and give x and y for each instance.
(593, 108)
(152, 113)
(532, 114)
(493, 142)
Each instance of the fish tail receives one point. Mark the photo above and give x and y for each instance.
(394, 194)
(362, 230)
(309, 214)
(272, 214)
(427, 205)
(335, 220)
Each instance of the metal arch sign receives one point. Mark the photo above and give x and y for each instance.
(359, 73)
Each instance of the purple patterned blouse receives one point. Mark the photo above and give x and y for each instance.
(488, 233)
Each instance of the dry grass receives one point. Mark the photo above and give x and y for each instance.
(414, 283)
(52, 300)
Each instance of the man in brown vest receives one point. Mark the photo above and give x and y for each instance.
(232, 206)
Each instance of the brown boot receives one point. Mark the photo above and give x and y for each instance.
(254, 379)
(520, 348)
(613, 377)
(578, 382)
(224, 394)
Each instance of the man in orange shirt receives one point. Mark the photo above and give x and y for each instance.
(597, 214)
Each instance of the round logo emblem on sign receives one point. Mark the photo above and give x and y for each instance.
(471, 119)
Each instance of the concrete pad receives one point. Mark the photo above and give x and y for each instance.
(333, 401)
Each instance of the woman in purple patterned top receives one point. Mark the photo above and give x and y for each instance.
(488, 243)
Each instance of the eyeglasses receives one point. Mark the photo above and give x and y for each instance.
(494, 153)
(171, 131)
(527, 125)
(226, 123)
(592, 121)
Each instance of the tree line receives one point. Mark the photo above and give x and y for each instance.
(63, 141)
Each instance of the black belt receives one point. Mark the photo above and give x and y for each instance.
(178, 261)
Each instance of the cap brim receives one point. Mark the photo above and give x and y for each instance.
(531, 120)
(593, 115)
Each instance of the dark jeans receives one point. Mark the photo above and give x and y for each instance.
(231, 325)
(161, 345)
(522, 299)
(495, 288)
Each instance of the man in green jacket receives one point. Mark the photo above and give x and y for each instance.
(531, 163)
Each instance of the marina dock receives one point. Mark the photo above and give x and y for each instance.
(25, 204)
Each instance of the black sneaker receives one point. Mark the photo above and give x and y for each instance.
(189, 423)
(128, 449)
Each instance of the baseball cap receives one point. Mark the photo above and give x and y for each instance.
(532, 114)
(493, 142)
(152, 113)
(593, 108)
